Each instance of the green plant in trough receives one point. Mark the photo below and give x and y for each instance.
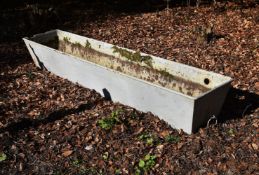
(108, 122)
(144, 165)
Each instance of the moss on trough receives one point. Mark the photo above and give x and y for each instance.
(66, 39)
(166, 74)
(129, 65)
(88, 44)
(137, 57)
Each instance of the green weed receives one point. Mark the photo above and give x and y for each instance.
(144, 165)
(108, 122)
(231, 132)
(148, 138)
(3, 157)
(77, 162)
(117, 172)
(172, 139)
(105, 156)
(30, 75)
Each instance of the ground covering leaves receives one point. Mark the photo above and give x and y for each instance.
(50, 126)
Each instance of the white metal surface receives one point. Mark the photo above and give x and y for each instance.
(179, 110)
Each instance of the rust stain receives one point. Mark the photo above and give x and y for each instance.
(129, 67)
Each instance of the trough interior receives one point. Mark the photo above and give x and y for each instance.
(122, 60)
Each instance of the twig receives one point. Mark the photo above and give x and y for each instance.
(246, 109)
(213, 117)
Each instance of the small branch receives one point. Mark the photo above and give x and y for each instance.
(246, 109)
(212, 118)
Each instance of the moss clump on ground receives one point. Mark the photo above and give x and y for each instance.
(137, 57)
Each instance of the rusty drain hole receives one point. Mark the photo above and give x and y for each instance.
(206, 81)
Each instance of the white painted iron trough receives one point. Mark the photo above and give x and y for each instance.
(184, 96)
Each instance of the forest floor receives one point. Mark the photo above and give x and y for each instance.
(50, 126)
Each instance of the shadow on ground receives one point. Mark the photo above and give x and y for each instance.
(19, 19)
(25, 18)
(26, 123)
(238, 103)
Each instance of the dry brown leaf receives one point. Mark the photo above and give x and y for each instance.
(67, 153)
(255, 146)
(257, 85)
(164, 133)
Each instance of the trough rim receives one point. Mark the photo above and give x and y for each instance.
(227, 80)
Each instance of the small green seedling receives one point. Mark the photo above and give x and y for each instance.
(30, 75)
(148, 138)
(231, 132)
(3, 157)
(133, 115)
(105, 156)
(91, 170)
(118, 172)
(146, 164)
(108, 122)
(77, 162)
(172, 139)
